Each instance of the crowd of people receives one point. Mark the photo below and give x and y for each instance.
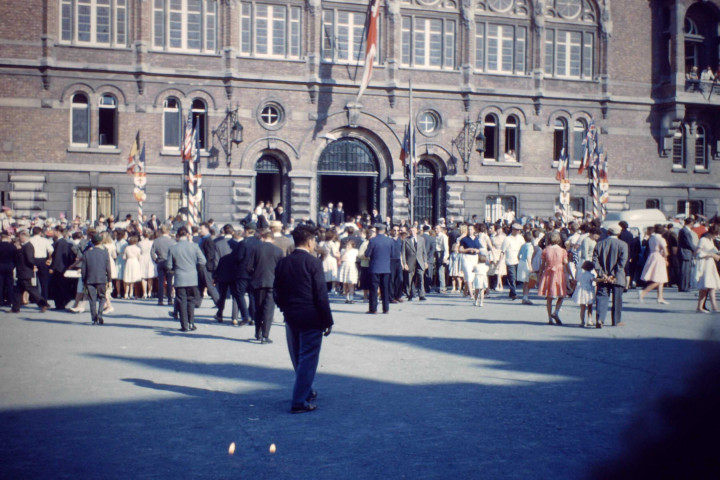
(45, 260)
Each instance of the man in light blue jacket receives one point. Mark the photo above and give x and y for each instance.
(185, 257)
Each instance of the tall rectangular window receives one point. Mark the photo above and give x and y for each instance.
(94, 22)
(344, 37)
(500, 48)
(90, 203)
(186, 25)
(428, 43)
(569, 54)
(270, 30)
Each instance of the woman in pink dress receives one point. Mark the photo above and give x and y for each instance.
(553, 277)
(655, 270)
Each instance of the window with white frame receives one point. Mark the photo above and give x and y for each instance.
(90, 203)
(172, 125)
(107, 121)
(94, 22)
(80, 120)
(428, 122)
(678, 152)
(173, 202)
(428, 42)
(343, 36)
(560, 137)
(490, 130)
(512, 139)
(185, 25)
(569, 54)
(199, 119)
(701, 151)
(501, 48)
(496, 206)
(579, 132)
(270, 30)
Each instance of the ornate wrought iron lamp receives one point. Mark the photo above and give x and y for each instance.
(469, 139)
(229, 132)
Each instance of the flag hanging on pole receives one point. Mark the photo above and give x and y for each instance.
(194, 194)
(604, 182)
(132, 165)
(562, 170)
(408, 148)
(188, 142)
(589, 147)
(371, 44)
(140, 182)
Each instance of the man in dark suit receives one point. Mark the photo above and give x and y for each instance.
(62, 258)
(431, 249)
(414, 261)
(337, 216)
(241, 255)
(160, 252)
(153, 224)
(205, 272)
(7, 265)
(379, 251)
(301, 294)
(25, 271)
(185, 257)
(224, 274)
(610, 257)
(261, 267)
(96, 274)
(687, 244)
(396, 270)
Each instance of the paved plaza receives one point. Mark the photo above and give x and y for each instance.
(436, 389)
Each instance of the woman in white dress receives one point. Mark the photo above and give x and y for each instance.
(348, 275)
(120, 244)
(147, 266)
(655, 270)
(132, 273)
(330, 261)
(708, 279)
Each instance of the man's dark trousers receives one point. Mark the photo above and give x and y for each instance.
(43, 277)
(165, 277)
(685, 283)
(6, 284)
(25, 285)
(304, 347)
(223, 289)
(265, 308)
(381, 280)
(396, 279)
(512, 279)
(185, 298)
(96, 291)
(602, 300)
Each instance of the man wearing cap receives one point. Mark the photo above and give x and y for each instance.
(25, 271)
(281, 241)
(610, 257)
(511, 248)
(379, 251)
(96, 274)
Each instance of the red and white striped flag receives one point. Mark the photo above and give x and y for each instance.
(371, 44)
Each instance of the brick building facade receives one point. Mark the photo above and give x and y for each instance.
(80, 78)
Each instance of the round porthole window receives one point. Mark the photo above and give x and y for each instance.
(428, 122)
(271, 116)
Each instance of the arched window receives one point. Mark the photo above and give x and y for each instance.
(678, 154)
(490, 130)
(80, 120)
(512, 139)
(107, 125)
(172, 125)
(429, 200)
(701, 154)
(189, 25)
(560, 137)
(579, 132)
(199, 117)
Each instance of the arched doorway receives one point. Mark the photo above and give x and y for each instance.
(429, 193)
(271, 182)
(348, 173)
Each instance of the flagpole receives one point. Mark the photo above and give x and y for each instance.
(412, 158)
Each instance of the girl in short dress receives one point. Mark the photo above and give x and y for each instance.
(584, 294)
(480, 281)
(348, 275)
(454, 268)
